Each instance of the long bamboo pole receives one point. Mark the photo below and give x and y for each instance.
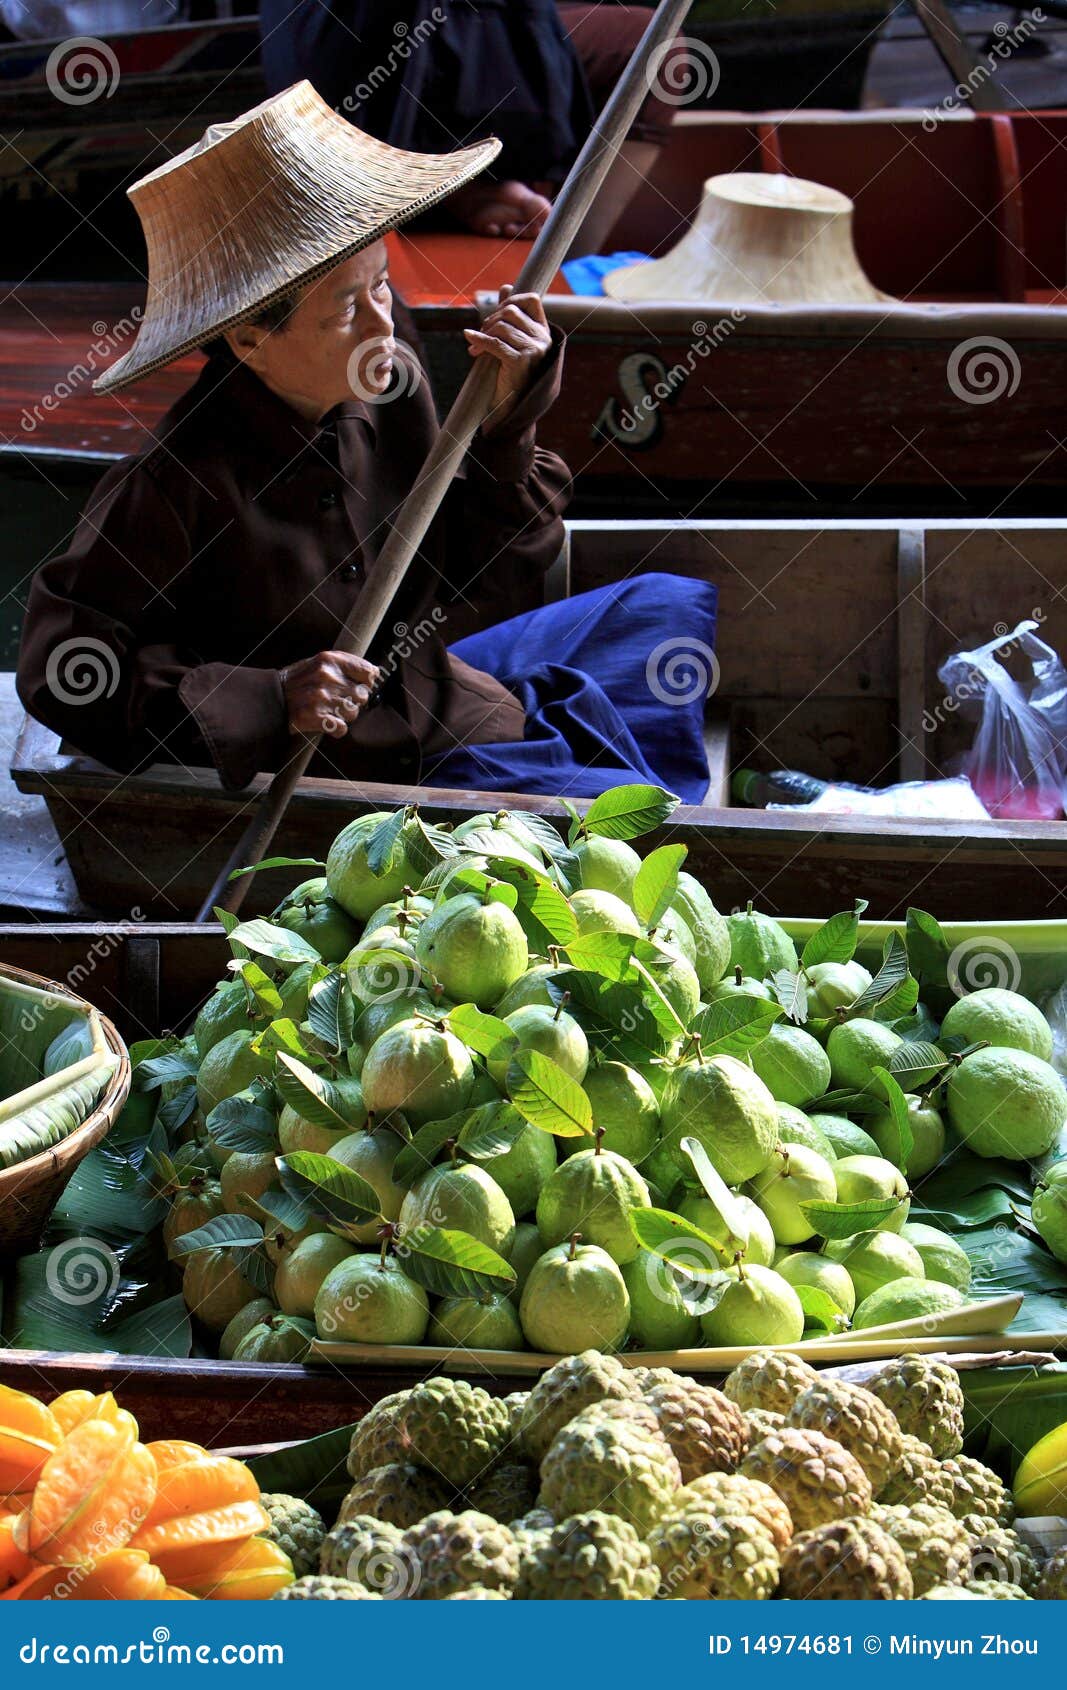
(471, 406)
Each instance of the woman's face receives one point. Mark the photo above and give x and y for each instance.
(337, 344)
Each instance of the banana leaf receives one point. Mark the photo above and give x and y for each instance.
(1009, 1408)
(1004, 1259)
(59, 1299)
(315, 1470)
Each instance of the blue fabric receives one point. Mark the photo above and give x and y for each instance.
(613, 683)
(586, 275)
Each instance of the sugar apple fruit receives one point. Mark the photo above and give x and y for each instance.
(769, 1379)
(316, 1588)
(376, 1440)
(1053, 1585)
(976, 1489)
(919, 1478)
(617, 1465)
(295, 1527)
(507, 1493)
(454, 1429)
(455, 1551)
(588, 1557)
(855, 1418)
(371, 1553)
(994, 1590)
(846, 1561)
(729, 1494)
(998, 1553)
(927, 1400)
(564, 1390)
(817, 1478)
(760, 1421)
(706, 1431)
(478, 1593)
(705, 1557)
(935, 1544)
(398, 1493)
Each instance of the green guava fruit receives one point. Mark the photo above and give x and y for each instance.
(727, 1107)
(805, 1267)
(674, 933)
(757, 1307)
(385, 1013)
(874, 1259)
(294, 990)
(230, 1066)
(460, 1197)
(522, 1169)
(299, 1277)
(357, 889)
(364, 1300)
(624, 1106)
(606, 865)
(484, 1089)
(593, 1193)
(475, 949)
(294, 1133)
(659, 1319)
(1001, 1018)
(677, 979)
(383, 968)
(418, 1069)
(214, 1288)
(905, 1299)
(1049, 1209)
(927, 1131)
(794, 1127)
(504, 833)
(575, 1299)
(280, 1241)
(855, 1047)
(759, 946)
(834, 985)
(525, 1251)
(759, 1246)
(942, 1257)
(602, 912)
(473, 1324)
(409, 909)
(253, 1314)
(371, 1153)
(843, 1136)
(553, 1032)
(865, 1179)
(198, 1202)
(1006, 1103)
(225, 1012)
(310, 912)
(738, 984)
(246, 1176)
(710, 931)
(279, 1338)
(794, 1176)
(531, 987)
(792, 1065)
(660, 1172)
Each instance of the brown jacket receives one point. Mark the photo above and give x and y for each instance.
(237, 543)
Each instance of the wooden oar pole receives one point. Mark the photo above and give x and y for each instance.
(472, 405)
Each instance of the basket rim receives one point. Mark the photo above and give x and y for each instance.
(37, 1170)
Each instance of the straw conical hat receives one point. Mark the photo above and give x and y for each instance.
(263, 204)
(756, 239)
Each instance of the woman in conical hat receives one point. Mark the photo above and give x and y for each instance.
(205, 586)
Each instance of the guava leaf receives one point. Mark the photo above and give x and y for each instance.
(841, 1220)
(821, 1312)
(277, 862)
(175, 1111)
(259, 984)
(480, 1141)
(453, 1264)
(608, 954)
(547, 1096)
(717, 1190)
(239, 1123)
(223, 1232)
(315, 1098)
(891, 975)
(265, 939)
(254, 1265)
(419, 1155)
(626, 812)
(545, 915)
(282, 1035)
(735, 1025)
(656, 883)
(541, 831)
(916, 1063)
(646, 967)
(791, 991)
(928, 954)
(835, 940)
(383, 846)
(331, 1012)
(487, 1035)
(679, 1242)
(917, 1027)
(846, 1100)
(327, 1189)
(181, 1063)
(902, 1139)
(425, 845)
(616, 1006)
(281, 1207)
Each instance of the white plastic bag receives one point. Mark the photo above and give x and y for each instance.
(1016, 764)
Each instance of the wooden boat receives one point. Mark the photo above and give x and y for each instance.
(829, 644)
(941, 399)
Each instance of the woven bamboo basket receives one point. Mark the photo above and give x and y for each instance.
(34, 1012)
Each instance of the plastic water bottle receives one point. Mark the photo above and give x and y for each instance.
(782, 786)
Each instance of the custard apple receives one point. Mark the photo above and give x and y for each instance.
(927, 1400)
(376, 1440)
(477, 1593)
(816, 1477)
(398, 1493)
(855, 1418)
(769, 1379)
(646, 1379)
(919, 1478)
(994, 1590)
(1053, 1586)
(564, 1390)
(515, 1403)
(760, 1421)
(706, 1431)
(977, 1490)
(617, 1465)
(935, 1544)
(454, 1551)
(592, 1557)
(295, 1527)
(316, 1588)
(453, 1429)
(371, 1553)
(846, 1561)
(708, 1557)
(509, 1491)
(998, 1553)
(725, 1494)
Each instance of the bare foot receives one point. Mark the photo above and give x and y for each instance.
(500, 208)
